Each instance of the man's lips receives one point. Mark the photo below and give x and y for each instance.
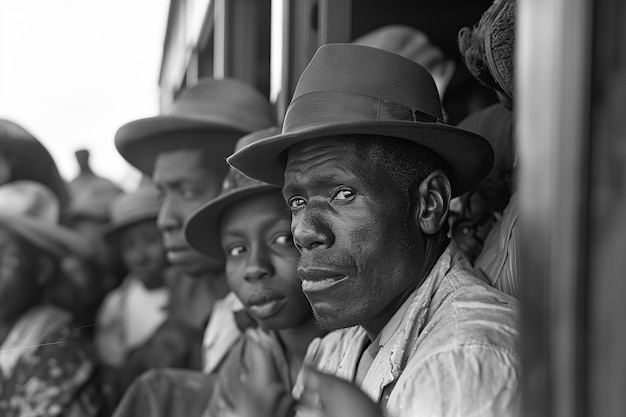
(314, 280)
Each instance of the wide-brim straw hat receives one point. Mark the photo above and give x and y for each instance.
(129, 209)
(351, 89)
(203, 227)
(31, 211)
(30, 159)
(213, 113)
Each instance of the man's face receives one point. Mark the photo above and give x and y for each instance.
(352, 228)
(185, 184)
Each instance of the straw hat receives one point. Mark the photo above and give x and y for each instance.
(352, 89)
(213, 113)
(203, 227)
(30, 160)
(31, 211)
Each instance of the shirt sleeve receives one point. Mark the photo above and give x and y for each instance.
(470, 381)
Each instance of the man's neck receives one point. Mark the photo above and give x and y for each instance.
(433, 249)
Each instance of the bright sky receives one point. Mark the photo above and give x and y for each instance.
(73, 71)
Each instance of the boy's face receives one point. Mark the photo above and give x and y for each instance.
(261, 261)
(143, 253)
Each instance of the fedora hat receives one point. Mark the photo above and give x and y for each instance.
(31, 211)
(213, 113)
(415, 45)
(353, 89)
(129, 209)
(203, 227)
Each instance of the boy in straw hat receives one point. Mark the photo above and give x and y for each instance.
(368, 169)
(184, 153)
(46, 367)
(131, 313)
(249, 223)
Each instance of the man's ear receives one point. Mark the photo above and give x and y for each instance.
(433, 202)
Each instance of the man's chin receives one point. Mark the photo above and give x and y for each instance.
(330, 322)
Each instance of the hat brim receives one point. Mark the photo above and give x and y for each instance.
(469, 155)
(203, 227)
(54, 239)
(133, 140)
(112, 231)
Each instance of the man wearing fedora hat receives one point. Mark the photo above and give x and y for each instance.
(184, 153)
(368, 169)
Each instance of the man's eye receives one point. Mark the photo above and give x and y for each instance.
(295, 202)
(284, 239)
(236, 250)
(344, 195)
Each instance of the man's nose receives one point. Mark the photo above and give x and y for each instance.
(169, 216)
(259, 265)
(310, 231)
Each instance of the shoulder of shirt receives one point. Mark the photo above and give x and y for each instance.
(333, 343)
(467, 312)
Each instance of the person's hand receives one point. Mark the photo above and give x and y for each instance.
(191, 300)
(328, 396)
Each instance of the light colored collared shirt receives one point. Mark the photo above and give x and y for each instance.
(221, 332)
(450, 350)
(129, 315)
(498, 262)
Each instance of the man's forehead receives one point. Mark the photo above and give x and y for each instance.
(179, 163)
(332, 151)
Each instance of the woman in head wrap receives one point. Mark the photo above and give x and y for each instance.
(486, 229)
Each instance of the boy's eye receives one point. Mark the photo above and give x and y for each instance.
(296, 202)
(284, 239)
(344, 194)
(236, 250)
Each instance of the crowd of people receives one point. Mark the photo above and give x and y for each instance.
(357, 259)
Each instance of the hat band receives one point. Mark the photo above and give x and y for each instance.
(329, 107)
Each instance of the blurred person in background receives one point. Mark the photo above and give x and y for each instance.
(184, 153)
(86, 283)
(132, 312)
(485, 219)
(46, 365)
